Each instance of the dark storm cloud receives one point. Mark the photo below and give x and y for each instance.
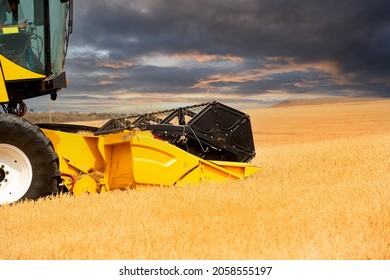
(352, 32)
(336, 46)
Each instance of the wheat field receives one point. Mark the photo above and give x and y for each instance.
(323, 193)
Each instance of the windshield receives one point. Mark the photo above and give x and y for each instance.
(24, 33)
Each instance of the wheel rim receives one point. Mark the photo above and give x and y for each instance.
(15, 173)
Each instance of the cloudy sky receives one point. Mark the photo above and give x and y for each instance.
(144, 54)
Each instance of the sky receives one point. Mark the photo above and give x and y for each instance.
(137, 55)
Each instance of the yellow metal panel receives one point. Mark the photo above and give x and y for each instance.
(13, 71)
(157, 162)
(3, 89)
(119, 168)
(213, 172)
(86, 184)
(10, 30)
(115, 152)
(219, 171)
(195, 176)
(76, 150)
(239, 169)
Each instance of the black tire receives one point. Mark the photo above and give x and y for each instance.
(29, 166)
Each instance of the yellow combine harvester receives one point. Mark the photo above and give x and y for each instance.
(206, 142)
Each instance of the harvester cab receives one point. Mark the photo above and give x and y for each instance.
(188, 145)
(33, 44)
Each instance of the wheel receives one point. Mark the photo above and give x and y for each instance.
(28, 163)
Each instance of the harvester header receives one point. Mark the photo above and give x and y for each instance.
(200, 143)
